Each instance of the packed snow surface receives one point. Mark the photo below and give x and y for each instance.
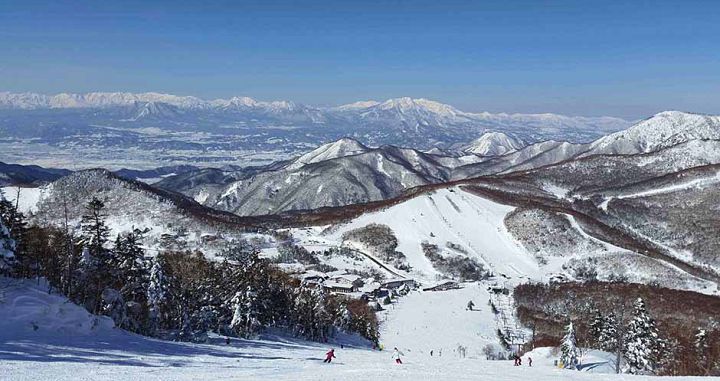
(453, 216)
(45, 337)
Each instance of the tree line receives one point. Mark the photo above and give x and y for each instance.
(679, 335)
(178, 295)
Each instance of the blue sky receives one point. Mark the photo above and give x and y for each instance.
(629, 58)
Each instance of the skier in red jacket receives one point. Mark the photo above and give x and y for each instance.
(329, 356)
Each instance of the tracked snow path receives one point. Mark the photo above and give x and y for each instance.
(32, 348)
(696, 183)
(455, 216)
(439, 321)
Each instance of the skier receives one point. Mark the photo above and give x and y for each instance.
(431, 353)
(529, 361)
(470, 305)
(396, 355)
(330, 355)
(227, 340)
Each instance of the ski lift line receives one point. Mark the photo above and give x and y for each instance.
(377, 261)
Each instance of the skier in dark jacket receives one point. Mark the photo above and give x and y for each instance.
(329, 356)
(516, 358)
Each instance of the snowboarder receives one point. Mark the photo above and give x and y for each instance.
(396, 355)
(470, 305)
(431, 353)
(329, 356)
(529, 361)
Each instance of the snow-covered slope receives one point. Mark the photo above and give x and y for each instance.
(27, 310)
(511, 243)
(128, 204)
(45, 337)
(412, 324)
(155, 110)
(26, 199)
(336, 149)
(337, 174)
(494, 144)
(533, 156)
(663, 130)
(452, 215)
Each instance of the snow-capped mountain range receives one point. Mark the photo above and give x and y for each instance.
(347, 172)
(409, 111)
(670, 159)
(152, 129)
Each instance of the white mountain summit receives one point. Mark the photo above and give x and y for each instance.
(662, 130)
(340, 148)
(494, 144)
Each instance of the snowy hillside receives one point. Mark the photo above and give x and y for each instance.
(333, 175)
(509, 242)
(129, 205)
(494, 144)
(663, 130)
(334, 150)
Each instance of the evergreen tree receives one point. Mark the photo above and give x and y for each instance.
(7, 251)
(246, 313)
(596, 327)
(604, 331)
(322, 318)
(344, 318)
(156, 294)
(701, 346)
(129, 262)
(96, 270)
(568, 348)
(12, 234)
(94, 230)
(643, 344)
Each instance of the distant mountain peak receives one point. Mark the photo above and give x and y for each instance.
(339, 148)
(242, 102)
(408, 104)
(494, 144)
(359, 105)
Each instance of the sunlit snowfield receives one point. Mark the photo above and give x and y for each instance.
(44, 337)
